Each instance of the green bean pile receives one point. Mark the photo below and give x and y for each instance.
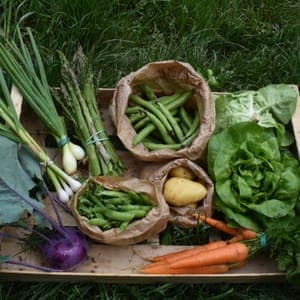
(163, 122)
(110, 209)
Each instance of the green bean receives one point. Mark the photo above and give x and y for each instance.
(168, 99)
(195, 125)
(186, 118)
(180, 100)
(133, 109)
(152, 108)
(134, 117)
(160, 126)
(155, 146)
(172, 121)
(143, 134)
(148, 92)
(141, 123)
(190, 139)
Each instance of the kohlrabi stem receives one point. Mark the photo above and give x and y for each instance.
(37, 209)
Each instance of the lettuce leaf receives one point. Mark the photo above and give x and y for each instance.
(255, 180)
(271, 107)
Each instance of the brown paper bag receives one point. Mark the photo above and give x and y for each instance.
(137, 231)
(165, 77)
(182, 216)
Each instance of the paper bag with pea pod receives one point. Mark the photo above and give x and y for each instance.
(163, 111)
(119, 211)
(182, 193)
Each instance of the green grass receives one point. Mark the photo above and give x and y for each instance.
(164, 291)
(247, 44)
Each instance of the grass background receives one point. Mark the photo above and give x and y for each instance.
(247, 44)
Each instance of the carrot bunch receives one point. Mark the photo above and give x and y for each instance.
(216, 257)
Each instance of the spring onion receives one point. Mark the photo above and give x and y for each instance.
(27, 73)
(13, 128)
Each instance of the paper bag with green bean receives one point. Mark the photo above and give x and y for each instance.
(164, 110)
(119, 211)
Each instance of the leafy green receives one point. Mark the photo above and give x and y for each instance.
(271, 107)
(18, 168)
(255, 181)
(284, 243)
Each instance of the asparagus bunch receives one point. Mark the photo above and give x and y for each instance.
(78, 101)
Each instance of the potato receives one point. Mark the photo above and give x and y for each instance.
(181, 191)
(182, 172)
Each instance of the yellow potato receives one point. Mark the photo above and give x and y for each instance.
(181, 191)
(182, 172)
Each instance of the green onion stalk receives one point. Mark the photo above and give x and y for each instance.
(27, 73)
(78, 101)
(12, 128)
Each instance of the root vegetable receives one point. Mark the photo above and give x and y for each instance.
(182, 173)
(182, 191)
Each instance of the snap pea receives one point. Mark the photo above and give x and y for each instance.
(129, 207)
(117, 201)
(150, 107)
(103, 223)
(118, 215)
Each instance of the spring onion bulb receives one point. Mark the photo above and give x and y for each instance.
(68, 160)
(27, 73)
(77, 151)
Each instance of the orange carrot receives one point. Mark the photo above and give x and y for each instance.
(231, 253)
(173, 256)
(166, 269)
(217, 224)
(244, 234)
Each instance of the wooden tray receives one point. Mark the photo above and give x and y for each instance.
(115, 264)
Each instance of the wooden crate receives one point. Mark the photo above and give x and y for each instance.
(115, 264)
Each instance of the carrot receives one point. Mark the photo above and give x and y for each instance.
(244, 234)
(173, 256)
(231, 253)
(217, 224)
(166, 269)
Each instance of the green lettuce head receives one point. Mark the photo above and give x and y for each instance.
(255, 180)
